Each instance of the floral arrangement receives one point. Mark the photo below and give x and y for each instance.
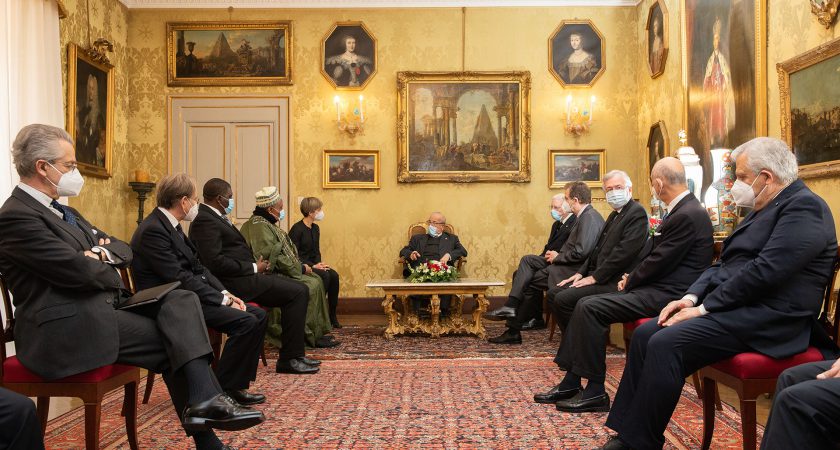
(432, 272)
(653, 225)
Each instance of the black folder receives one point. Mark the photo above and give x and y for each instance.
(147, 296)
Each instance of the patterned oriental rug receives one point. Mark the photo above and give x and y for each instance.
(458, 393)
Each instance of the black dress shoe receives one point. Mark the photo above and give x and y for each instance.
(336, 325)
(245, 398)
(556, 394)
(577, 404)
(501, 313)
(221, 414)
(533, 324)
(310, 361)
(510, 336)
(295, 366)
(326, 342)
(615, 443)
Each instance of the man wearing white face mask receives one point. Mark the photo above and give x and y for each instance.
(763, 295)
(563, 220)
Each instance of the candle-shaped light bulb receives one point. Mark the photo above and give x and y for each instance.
(336, 100)
(591, 108)
(568, 107)
(361, 108)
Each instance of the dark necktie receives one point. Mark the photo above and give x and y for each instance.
(66, 213)
(181, 232)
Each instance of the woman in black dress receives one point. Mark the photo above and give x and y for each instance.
(306, 236)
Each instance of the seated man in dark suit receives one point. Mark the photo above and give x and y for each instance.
(578, 246)
(223, 250)
(163, 254)
(435, 245)
(763, 295)
(529, 265)
(19, 425)
(679, 250)
(61, 273)
(805, 408)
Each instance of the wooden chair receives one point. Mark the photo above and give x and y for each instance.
(90, 386)
(423, 228)
(752, 374)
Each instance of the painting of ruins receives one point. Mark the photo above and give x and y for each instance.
(464, 126)
(229, 54)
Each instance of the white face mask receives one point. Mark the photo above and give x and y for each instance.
(617, 198)
(743, 193)
(319, 215)
(70, 184)
(191, 213)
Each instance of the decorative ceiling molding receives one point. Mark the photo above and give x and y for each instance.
(346, 4)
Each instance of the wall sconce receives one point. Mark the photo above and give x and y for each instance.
(352, 123)
(578, 120)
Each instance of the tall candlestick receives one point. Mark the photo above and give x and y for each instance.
(336, 100)
(591, 108)
(568, 107)
(361, 109)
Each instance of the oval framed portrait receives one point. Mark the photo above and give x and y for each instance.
(348, 53)
(577, 53)
(657, 38)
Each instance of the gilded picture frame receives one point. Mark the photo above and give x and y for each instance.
(810, 119)
(658, 145)
(584, 165)
(90, 111)
(348, 68)
(201, 53)
(724, 70)
(591, 47)
(463, 127)
(351, 169)
(656, 29)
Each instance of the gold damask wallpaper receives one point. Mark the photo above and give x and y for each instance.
(364, 230)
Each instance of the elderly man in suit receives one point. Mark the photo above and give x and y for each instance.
(576, 249)
(61, 272)
(164, 254)
(679, 250)
(225, 252)
(435, 245)
(763, 295)
(529, 265)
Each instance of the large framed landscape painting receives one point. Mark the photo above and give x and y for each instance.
(356, 169)
(724, 71)
(90, 111)
(229, 53)
(464, 126)
(811, 117)
(575, 165)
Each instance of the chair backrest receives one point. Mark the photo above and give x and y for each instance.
(128, 279)
(829, 315)
(423, 227)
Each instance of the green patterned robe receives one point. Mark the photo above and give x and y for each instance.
(274, 245)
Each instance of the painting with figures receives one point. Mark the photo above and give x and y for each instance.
(575, 165)
(464, 127)
(351, 169)
(90, 111)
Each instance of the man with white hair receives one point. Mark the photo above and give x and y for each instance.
(563, 220)
(763, 295)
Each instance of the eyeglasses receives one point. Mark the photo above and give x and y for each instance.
(72, 165)
(429, 222)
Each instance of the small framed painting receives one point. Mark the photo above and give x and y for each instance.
(349, 55)
(575, 165)
(90, 111)
(657, 38)
(351, 169)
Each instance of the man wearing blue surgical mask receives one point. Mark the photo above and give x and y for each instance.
(436, 245)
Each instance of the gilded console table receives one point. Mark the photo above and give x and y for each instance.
(409, 322)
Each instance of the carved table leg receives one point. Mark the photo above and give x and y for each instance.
(477, 327)
(410, 319)
(393, 316)
(455, 312)
(435, 307)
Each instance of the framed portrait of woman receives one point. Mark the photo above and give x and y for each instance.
(348, 55)
(724, 71)
(90, 111)
(576, 53)
(657, 38)
(657, 144)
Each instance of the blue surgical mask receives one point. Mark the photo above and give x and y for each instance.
(229, 207)
(433, 231)
(617, 198)
(281, 215)
(556, 215)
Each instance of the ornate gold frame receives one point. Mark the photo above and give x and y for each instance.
(814, 56)
(523, 79)
(75, 53)
(323, 55)
(327, 184)
(760, 78)
(661, 125)
(173, 27)
(553, 184)
(825, 12)
(603, 53)
(664, 10)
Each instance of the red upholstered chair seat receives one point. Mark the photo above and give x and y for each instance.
(14, 372)
(629, 327)
(756, 365)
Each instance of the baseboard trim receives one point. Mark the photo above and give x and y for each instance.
(373, 305)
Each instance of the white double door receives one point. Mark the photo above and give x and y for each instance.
(243, 140)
